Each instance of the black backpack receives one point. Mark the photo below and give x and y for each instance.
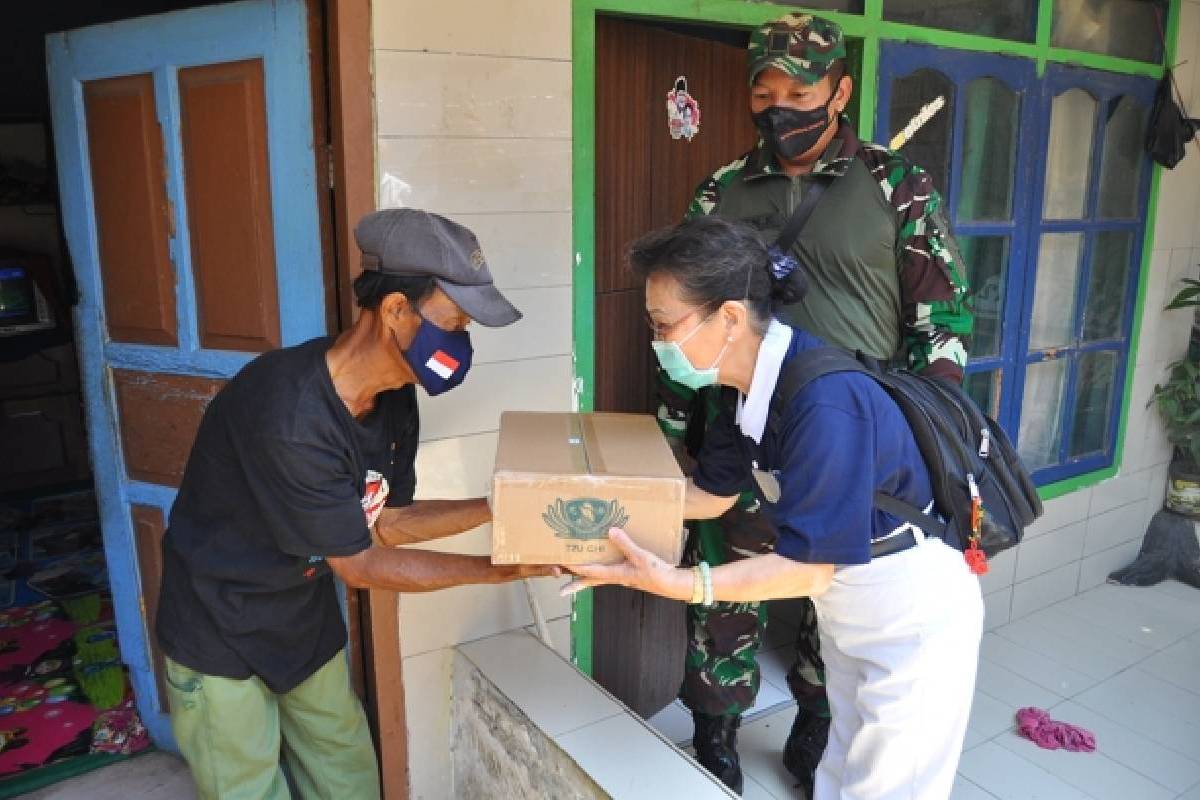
(968, 455)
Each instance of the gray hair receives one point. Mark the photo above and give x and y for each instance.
(714, 260)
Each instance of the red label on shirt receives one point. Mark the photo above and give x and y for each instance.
(375, 496)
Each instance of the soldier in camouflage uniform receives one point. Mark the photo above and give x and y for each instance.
(885, 279)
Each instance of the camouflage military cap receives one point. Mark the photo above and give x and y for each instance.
(802, 45)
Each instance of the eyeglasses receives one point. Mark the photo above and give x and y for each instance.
(661, 330)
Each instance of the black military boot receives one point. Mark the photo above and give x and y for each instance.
(716, 747)
(804, 747)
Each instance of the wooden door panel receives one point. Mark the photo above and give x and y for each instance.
(640, 643)
(149, 525)
(133, 223)
(159, 415)
(624, 360)
(627, 107)
(716, 76)
(223, 110)
(645, 180)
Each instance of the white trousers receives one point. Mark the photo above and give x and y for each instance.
(900, 640)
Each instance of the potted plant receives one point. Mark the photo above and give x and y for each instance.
(1170, 548)
(1178, 401)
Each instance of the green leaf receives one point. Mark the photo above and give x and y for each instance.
(1188, 298)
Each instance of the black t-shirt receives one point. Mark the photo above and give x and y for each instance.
(274, 484)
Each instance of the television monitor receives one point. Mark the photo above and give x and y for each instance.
(18, 301)
(23, 306)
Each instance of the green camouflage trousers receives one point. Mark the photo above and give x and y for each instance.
(721, 673)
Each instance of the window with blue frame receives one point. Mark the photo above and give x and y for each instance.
(1046, 185)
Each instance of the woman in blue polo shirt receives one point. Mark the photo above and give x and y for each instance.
(900, 615)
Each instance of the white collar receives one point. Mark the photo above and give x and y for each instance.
(752, 408)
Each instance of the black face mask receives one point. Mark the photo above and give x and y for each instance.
(790, 133)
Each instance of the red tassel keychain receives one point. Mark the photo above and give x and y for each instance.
(976, 558)
(974, 555)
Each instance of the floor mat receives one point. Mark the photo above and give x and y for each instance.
(64, 695)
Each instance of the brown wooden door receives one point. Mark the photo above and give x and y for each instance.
(645, 180)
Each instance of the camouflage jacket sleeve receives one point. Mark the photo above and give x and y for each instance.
(674, 408)
(933, 286)
(707, 197)
(675, 400)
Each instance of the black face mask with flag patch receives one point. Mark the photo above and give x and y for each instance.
(1170, 129)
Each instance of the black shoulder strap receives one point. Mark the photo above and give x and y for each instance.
(799, 218)
(910, 514)
(808, 365)
(801, 370)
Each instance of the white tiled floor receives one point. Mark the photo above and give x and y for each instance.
(1120, 661)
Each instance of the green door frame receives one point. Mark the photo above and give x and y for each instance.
(872, 30)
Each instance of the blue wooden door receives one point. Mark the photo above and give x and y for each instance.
(187, 173)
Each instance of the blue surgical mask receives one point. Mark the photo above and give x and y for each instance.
(439, 358)
(679, 369)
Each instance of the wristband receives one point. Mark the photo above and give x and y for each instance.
(706, 574)
(697, 587)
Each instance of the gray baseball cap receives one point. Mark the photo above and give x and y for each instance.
(409, 241)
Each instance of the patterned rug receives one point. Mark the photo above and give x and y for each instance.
(64, 695)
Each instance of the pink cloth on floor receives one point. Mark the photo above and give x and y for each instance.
(1035, 724)
(25, 639)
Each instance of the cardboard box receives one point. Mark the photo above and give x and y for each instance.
(562, 480)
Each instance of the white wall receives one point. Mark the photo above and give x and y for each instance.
(1087, 534)
(474, 122)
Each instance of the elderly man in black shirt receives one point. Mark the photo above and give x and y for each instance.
(302, 470)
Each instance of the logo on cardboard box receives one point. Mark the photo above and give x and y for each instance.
(584, 518)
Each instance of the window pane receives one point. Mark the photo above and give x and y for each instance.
(986, 258)
(1041, 413)
(984, 389)
(930, 147)
(1093, 403)
(1124, 28)
(1104, 309)
(1121, 164)
(1070, 155)
(1053, 323)
(1003, 19)
(989, 151)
